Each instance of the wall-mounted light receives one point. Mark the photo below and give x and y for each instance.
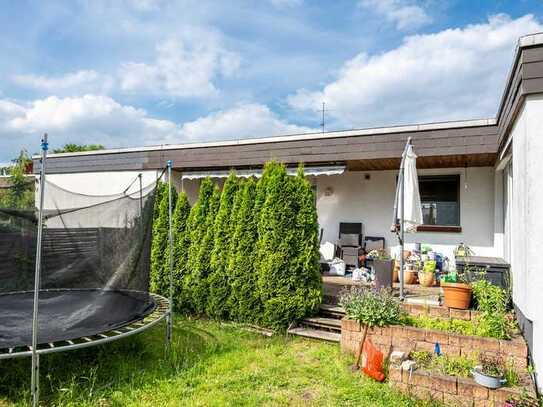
(329, 191)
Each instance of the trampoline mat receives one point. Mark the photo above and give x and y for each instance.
(68, 314)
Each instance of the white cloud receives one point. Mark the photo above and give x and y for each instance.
(100, 119)
(404, 15)
(185, 66)
(84, 79)
(243, 121)
(86, 119)
(453, 74)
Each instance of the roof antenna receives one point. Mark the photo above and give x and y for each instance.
(323, 110)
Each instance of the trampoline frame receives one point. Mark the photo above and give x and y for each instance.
(163, 309)
(160, 312)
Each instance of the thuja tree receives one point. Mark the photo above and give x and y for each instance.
(288, 279)
(305, 264)
(159, 246)
(217, 281)
(244, 301)
(181, 246)
(202, 218)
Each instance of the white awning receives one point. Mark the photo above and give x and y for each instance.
(309, 171)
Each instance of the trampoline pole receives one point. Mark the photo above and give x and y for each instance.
(35, 377)
(170, 236)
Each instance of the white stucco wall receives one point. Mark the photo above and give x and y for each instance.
(355, 199)
(527, 220)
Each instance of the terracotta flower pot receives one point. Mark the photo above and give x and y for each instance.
(426, 279)
(456, 295)
(409, 277)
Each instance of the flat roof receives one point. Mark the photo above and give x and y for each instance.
(372, 131)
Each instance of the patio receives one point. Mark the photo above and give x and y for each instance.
(414, 293)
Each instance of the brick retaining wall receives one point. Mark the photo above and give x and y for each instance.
(407, 338)
(454, 391)
(435, 311)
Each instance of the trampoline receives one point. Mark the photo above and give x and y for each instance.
(71, 319)
(75, 271)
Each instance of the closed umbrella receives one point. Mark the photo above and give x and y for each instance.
(407, 206)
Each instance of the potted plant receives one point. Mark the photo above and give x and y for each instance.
(427, 274)
(383, 266)
(411, 267)
(490, 373)
(370, 308)
(456, 291)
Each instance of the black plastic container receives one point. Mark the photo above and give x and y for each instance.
(497, 269)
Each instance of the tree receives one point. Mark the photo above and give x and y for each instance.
(202, 217)
(77, 148)
(288, 284)
(244, 301)
(306, 266)
(217, 281)
(20, 194)
(160, 243)
(181, 244)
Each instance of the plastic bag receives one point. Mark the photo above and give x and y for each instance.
(337, 267)
(372, 361)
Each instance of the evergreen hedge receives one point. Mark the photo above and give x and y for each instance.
(288, 281)
(249, 253)
(202, 218)
(244, 301)
(160, 280)
(181, 245)
(217, 281)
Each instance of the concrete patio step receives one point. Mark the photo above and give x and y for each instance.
(432, 300)
(323, 323)
(315, 334)
(331, 311)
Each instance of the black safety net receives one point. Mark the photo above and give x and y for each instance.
(95, 261)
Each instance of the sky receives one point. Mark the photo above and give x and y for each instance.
(128, 73)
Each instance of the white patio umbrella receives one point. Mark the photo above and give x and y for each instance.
(407, 206)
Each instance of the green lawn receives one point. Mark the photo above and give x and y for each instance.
(212, 364)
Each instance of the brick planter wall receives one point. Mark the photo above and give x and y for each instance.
(454, 391)
(442, 312)
(406, 338)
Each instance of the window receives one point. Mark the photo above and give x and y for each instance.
(440, 199)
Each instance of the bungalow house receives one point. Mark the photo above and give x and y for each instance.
(480, 180)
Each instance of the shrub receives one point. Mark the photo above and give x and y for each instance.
(370, 307)
(217, 281)
(288, 280)
(458, 326)
(447, 365)
(492, 302)
(202, 217)
(244, 302)
(159, 245)
(181, 244)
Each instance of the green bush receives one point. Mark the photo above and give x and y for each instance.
(492, 302)
(457, 326)
(217, 281)
(244, 302)
(202, 218)
(181, 245)
(159, 245)
(370, 307)
(448, 365)
(288, 279)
